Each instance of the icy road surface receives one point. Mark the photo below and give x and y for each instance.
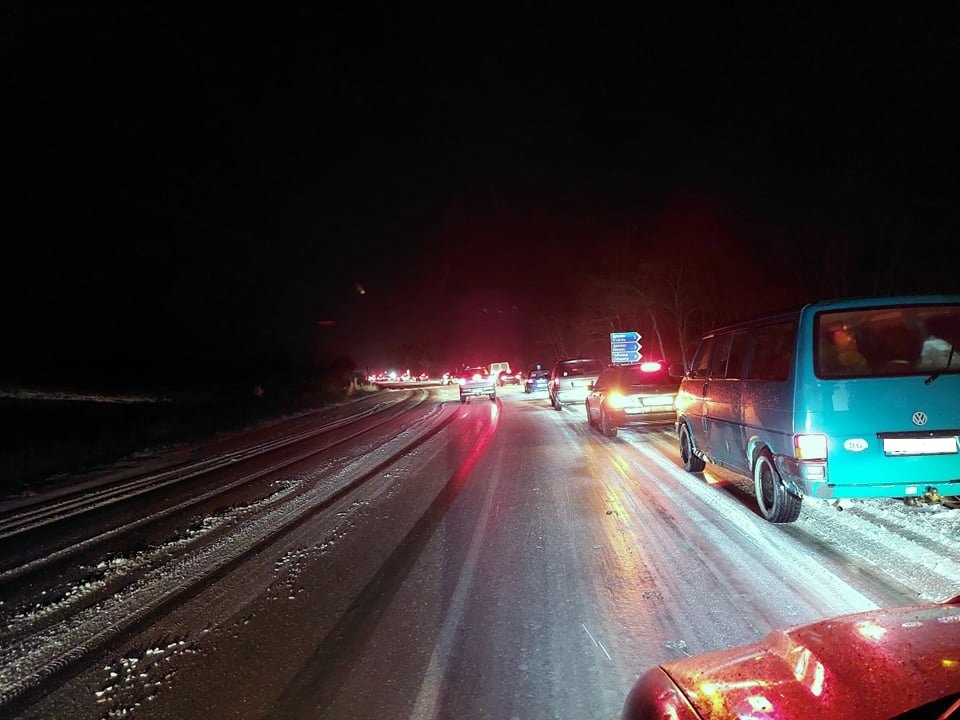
(488, 560)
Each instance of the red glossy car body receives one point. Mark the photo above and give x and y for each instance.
(890, 663)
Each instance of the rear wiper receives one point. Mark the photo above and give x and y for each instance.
(938, 373)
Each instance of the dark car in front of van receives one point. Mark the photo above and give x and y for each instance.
(632, 394)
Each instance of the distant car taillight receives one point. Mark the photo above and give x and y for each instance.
(651, 366)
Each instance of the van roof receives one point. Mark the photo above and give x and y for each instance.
(756, 320)
(838, 304)
(890, 300)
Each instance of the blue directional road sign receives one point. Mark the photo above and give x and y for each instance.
(625, 347)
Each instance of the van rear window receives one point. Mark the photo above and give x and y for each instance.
(890, 341)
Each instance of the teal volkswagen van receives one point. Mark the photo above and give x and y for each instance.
(852, 398)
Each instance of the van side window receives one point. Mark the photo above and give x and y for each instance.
(701, 362)
(772, 353)
(718, 359)
(738, 354)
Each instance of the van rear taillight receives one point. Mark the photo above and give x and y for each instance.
(810, 447)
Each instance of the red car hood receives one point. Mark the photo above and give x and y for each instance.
(875, 664)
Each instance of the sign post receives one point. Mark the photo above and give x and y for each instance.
(625, 347)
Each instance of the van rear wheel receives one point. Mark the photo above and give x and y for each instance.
(776, 503)
(691, 463)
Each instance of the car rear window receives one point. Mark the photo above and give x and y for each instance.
(637, 375)
(581, 367)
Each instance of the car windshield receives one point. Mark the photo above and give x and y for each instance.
(888, 341)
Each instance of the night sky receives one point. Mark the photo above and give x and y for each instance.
(234, 192)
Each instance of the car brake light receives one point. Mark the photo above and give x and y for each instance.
(810, 447)
(651, 366)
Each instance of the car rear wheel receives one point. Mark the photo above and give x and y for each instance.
(776, 503)
(492, 396)
(556, 403)
(463, 399)
(606, 427)
(586, 407)
(691, 463)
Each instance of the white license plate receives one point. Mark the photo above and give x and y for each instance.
(920, 446)
(658, 401)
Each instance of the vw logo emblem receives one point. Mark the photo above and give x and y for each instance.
(919, 418)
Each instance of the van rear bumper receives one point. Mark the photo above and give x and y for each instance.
(797, 477)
